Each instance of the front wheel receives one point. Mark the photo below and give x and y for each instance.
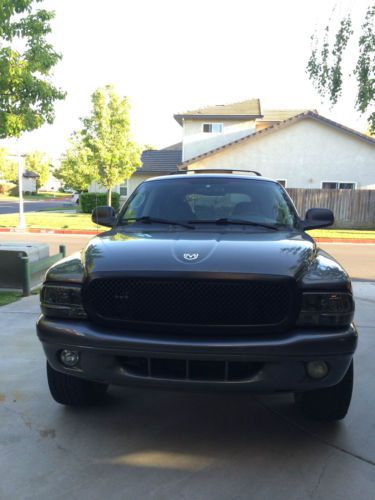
(73, 391)
(331, 403)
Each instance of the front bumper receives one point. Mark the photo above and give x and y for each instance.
(278, 361)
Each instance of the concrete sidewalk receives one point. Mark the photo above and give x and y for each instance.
(150, 444)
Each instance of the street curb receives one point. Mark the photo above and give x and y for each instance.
(54, 200)
(319, 239)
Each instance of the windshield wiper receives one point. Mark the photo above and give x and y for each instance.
(225, 221)
(146, 219)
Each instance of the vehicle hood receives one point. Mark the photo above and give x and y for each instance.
(284, 253)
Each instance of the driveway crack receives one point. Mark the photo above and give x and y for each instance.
(315, 436)
(320, 477)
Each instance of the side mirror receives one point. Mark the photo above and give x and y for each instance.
(104, 216)
(318, 217)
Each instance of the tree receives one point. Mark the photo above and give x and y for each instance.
(106, 134)
(8, 168)
(325, 65)
(75, 169)
(39, 163)
(27, 95)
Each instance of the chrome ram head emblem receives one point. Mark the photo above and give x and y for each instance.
(191, 256)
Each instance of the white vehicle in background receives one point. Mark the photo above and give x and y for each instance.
(75, 198)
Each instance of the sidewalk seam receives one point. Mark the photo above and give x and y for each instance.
(315, 436)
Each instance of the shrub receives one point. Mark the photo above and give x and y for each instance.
(6, 187)
(88, 201)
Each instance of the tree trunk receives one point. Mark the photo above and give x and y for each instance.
(109, 197)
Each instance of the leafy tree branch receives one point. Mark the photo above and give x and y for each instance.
(106, 134)
(27, 95)
(325, 65)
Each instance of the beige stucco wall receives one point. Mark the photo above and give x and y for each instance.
(96, 188)
(196, 142)
(135, 181)
(52, 184)
(305, 154)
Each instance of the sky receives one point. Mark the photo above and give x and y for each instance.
(169, 56)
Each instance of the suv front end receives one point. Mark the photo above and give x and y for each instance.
(202, 304)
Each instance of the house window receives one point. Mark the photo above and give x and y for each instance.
(339, 185)
(347, 185)
(282, 182)
(329, 185)
(213, 128)
(124, 188)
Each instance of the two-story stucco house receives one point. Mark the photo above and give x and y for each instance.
(300, 148)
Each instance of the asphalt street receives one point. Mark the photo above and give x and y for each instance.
(171, 445)
(358, 259)
(12, 207)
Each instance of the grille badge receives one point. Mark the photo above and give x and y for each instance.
(122, 297)
(191, 256)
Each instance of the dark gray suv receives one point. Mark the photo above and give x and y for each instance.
(206, 282)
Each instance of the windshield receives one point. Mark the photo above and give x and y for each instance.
(210, 199)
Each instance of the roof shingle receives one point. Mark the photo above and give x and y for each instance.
(163, 161)
(240, 110)
(279, 115)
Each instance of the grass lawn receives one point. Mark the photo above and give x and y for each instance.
(45, 220)
(356, 234)
(9, 297)
(35, 197)
(52, 194)
(66, 206)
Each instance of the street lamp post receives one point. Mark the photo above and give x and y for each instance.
(21, 216)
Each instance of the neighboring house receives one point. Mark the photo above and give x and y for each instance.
(299, 148)
(53, 184)
(154, 163)
(29, 181)
(28, 178)
(157, 162)
(122, 189)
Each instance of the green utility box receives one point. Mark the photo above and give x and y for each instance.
(11, 271)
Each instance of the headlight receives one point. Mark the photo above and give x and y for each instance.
(62, 301)
(332, 309)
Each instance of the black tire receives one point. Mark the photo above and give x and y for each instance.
(73, 391)
(331, 403)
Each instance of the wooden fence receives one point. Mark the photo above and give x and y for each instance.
(354, 208)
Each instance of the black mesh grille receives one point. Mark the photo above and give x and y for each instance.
(190, 301)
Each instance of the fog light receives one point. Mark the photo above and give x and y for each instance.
(317, 369)
(69, 358)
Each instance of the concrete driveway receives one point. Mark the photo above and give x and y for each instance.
(167, 445)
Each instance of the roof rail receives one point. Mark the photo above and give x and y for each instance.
(223, 170)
